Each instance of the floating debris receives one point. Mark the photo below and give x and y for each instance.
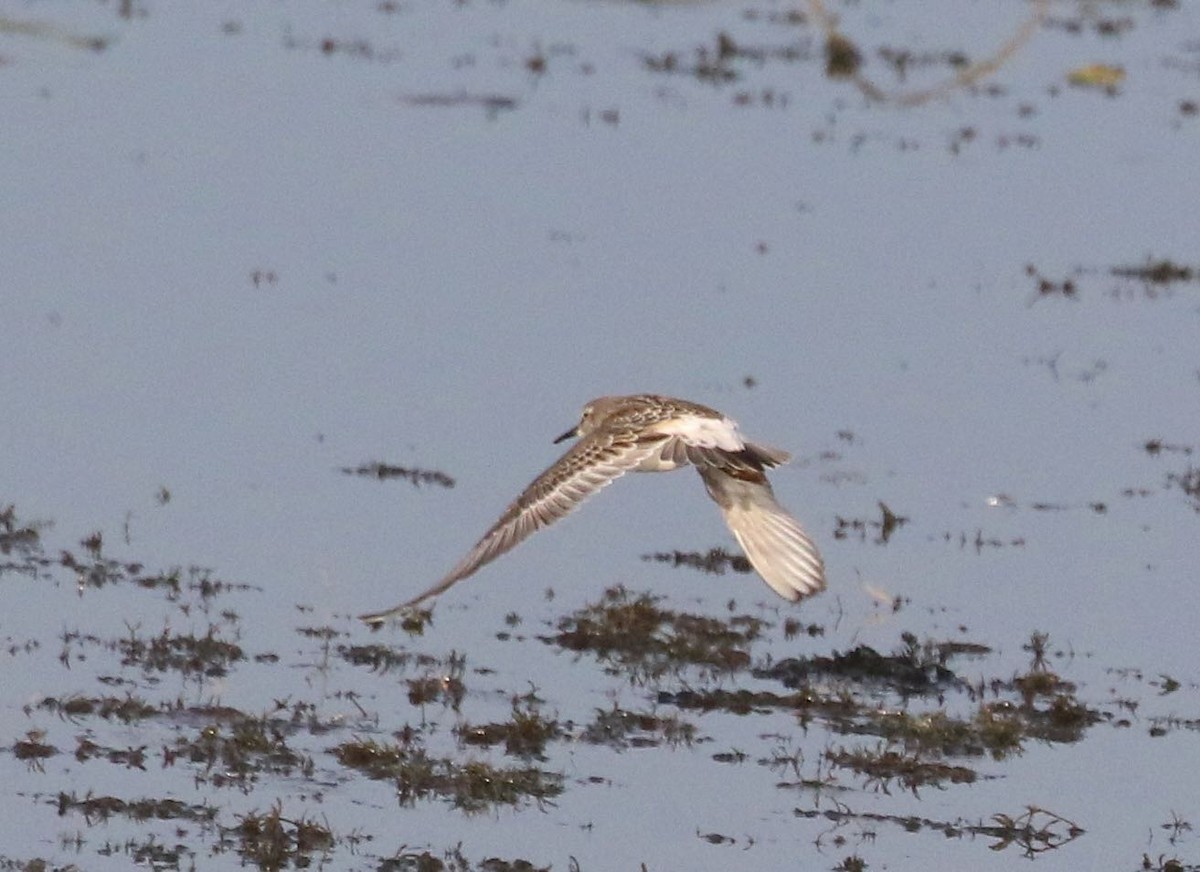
(1103, 76)
(493, 104)
(1158, 272)
(384, 471)
(714, 561)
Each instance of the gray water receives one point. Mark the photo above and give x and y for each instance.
(248, 246)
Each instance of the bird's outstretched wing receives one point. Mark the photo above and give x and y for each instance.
(775, 543)
(589, 465)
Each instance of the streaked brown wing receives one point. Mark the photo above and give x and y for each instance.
(677, 451)
(589, 465)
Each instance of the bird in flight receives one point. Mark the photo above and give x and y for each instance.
(650, 433)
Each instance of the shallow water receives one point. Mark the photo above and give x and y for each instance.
(250, 248)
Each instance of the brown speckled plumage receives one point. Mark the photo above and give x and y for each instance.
(649, 433)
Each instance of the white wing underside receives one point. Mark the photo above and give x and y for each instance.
(775, 543)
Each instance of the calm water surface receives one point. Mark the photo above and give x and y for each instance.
(247, 248)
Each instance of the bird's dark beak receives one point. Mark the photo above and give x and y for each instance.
(570, 434)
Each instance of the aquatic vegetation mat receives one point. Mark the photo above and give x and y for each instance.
(130, 732)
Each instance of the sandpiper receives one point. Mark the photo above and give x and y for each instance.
(649, 433)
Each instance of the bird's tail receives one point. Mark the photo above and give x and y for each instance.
(775, 543)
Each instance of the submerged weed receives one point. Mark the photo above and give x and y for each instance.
(377, 658)
(524, 735)
(619, 728)
(384, 471)
(100, 808)
(632, 633)
(190, 655)
(714, 561)
(241, 750)
(1035, 831)
(472, 786)
(21, 539)
(915, 669)
(272, 841)
(885, 764)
